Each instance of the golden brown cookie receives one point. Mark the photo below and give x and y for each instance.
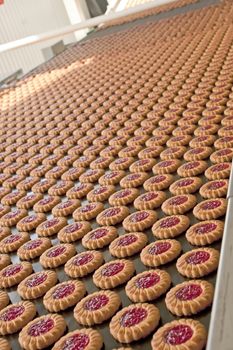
(72, 174)
(51, 226)
(4, 299)
(222, 155)
(111, 177)
(218, 171)
(173, 153)
(30, 222)
(88, 211)
(192, 168)
(185, 185)
(57, 255)
(14, 274)
(166, 166)
(134, 322)
(66, 208)
(113, 273)
(222, 142)
(214, 189)
(46, 204)
(150, 200)
(133, 180)
(205, 232)
(150, 152)
(158, 182)
(197, 153)
(121, 163)
(160, 252)
(4, 232)
(13, 197)
(79, 191)
(91, 175)
(170, 226)
(198, 262)
(148, 285)
(73, 232)
(140, 220)
(100, 193)
(204, 140)
(11, 218)
(43, 185)
(112, 215)
(42, 332)
(60, 188)
(210, 209)
(64, 295)
(123, 197)
(83, 263)
(189, 298)
(128, 244)
(29, 200)
(97, 307)
(12, 242)
(142, 165)
(34, 248)
(99, 237)
(178, 204)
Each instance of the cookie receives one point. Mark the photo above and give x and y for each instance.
(37, 284)
(12, 242)
(150, 200)
(79, 191)
(100, 193)
(99, 237)
(51, 226)
(72, 174)
(204, 140)
(210, 209)
(43, 185)
(123, 197)
(64, 295)
(29, 200)
(218, 171)
(158, 182)
(87, 338)
(91, 175)
(4, 299)
(4, 345)
(34, 248)
(198, 262)
(160, 252)
(57, 255)
(142, 165)
(129, 151)
(193, 168)
(128, 244)
(205, 232)
(170, 226)
(150, 152)
(97, 307)
(13, 197)
(30, 222)
(113, 273)
(46, 204)
(205, 127)
(189, 298)
(12, 217)
(197, 153)
(133, 180)
(148, 285)
(222, 155)
(140, 220)
(134, 322)
(88, 211)
(4, 232)
(83, 263)
(14, 274)
(74, 232)
(214, 189)
(185, 185)
(173, 153)
(222, 142)
(112, 215)
(14, 317)
(166, 166)
(66, 208)
(42, 332)
(180, 334)
(60, 188)
(122, 163)
(181, 140)
(179, 204)
(56, 172)
(111, 177)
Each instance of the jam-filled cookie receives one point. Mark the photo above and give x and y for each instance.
(83, 263)
(86, 338)
(42, 332)
(134, 322)
(158, 182)
(60, 188)
(142, 165)
(218, 171)
(64, 295)
(51, 226)
(148, 285)
(185, 185)
(121, 163)
(150, 152)
(91, 175)
(88, 211)
(12, 217)
(189, 298)
(79, 191)
(133, 180)
(57, 255)
(140, 220)
(166, 166)
(198, 262)
(197, 153)
(14, 317)
(222, 155)
(192, 168)
(178, 204)
(37, 284)
(97, 307)
(170, 226)
(150, 200)
(46, 204)
(112, 215)
(204, 140)
(111, 177)
(33, 248)
(128, 244)
(214, 189)
(29, 200)
(73, 232)
(4, 299)
(205, 232)
(100, 194)
(180, 334)
(12, 242)
(160, 252)
(113, 273)
(13, 197)
(14, 274)
(210, 209)
(66, 208)
(123, 197)
(223, 142)
(30, 222)
(99, 237)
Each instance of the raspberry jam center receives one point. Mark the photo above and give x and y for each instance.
(198, 257)
(12, 313)
(53, 253)
(169, 222)
(76, 342)
(82, 259)
(216, 184)
(63, 291)
(100, 190)
(178, 200)
(122, 194)
(32, 245)
(183, 183)
(149, 196)
(133, 177)
(12, 239)
(98, 233)
(189, 292)
(124, 241)
(205, 228)
(111, 212)
(41, 327)
(219, 167)
(211, 205)
(159, 248)
(73, 227)
(165, 164)
(112, 269)
(147, 280)
(139, 216)
(224, 152)
(191, 165)
(133, 317)
(36, 280)
(178, 335)
(51, 223)
(96, 302)
(157, 179)
(12, 270)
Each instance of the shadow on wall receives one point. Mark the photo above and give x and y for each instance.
(97, 7)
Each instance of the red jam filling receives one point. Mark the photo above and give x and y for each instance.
(66, 204)
(121, 160)
(13, 214)
(78, 187)
(53, 253)
(63, 291)
(211, 205)
(45, 201)
(198, 257)
(191, 165)
(122, 193)
(149, 196)
(178, 200)
(76, 342)
(110, 175)
(219, 167)
(169, 222)
(12, 313)
(133, 317)
(123, 241)
(205, 228)
(51, 222)
(90, 172)
(189, 292)
(28, 197)
(88, 208)
(147, 281)
(73, 227)
(165, 163)
(30, 218)
(142, 162)
(32, 245)
(41, 327)
(82, 259)
(100, 190)
(11, 239)
(36, 280)
(96, 302)
(183, 183)
(202, 138)
(99, 233)
(133, 177)
(178, 335)
(158, 179)
(139, 216)
(159, 248)
(12, 270)
(112, 269)
(111, 212)
(216, 184)
(224, 152)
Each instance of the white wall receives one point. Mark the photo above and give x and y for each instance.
(20, 18)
